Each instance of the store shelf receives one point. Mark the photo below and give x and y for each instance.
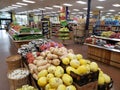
(114, 50)
(113, 39)
(27, 33)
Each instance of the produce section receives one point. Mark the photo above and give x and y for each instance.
(23, 35)
(64, 34)
(107, 49)
(56, 67)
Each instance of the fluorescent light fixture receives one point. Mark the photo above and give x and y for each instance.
(99, 7)
(67, 4)
(42, 9)
(109, 13)
(14, 5)
(53, 12)
(35, 10)
(75, 9)
(69, 11)
(30, 11)
(80, 12)
(73, 13)
(48, 7)
(81, 2)
(118, 12)
(112, 10)
(116, 5)
(28, 1)
(101, 0)
(57, 6)
(85, 8)
(22, 4)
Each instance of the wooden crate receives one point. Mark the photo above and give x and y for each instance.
(89, 86)
(90, 56)
(106, 55)
(115, 64)
(115, 57)
(18, 44)
(85, 79)
(94, 53)
(106, 86)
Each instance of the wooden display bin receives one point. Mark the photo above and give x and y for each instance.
(89, 86)
(94, 53)
(19, 43)
(108, 56)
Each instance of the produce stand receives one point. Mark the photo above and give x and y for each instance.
(104, 54)
(49, 53)
(18, 43)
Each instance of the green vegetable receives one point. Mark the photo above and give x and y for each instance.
(27, 37)
(28, 29)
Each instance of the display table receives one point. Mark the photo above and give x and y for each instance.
(108, 56)
(18, 43)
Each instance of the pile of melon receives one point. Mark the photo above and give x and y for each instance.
(54, 78)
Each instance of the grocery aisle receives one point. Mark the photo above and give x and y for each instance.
(7, 48)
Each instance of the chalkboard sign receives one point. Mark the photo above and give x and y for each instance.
(45, 26)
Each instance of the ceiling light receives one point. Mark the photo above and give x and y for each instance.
(42, 9)
(22, 4)
(81, 2)
(16, 5)
(73, 13)
(75, 9)
(85, 8)
(80, 12)
(109, 13)
(48, 7)
(53, 12)
(67, 4)
(118, 12)
(99, 7)
(116, 5)
(28, 1)
(101, 0)
(112, 10)
(56, 6)
(36, 10)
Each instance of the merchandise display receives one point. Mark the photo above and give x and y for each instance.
(60, 44)
(26, 87)
(104, 46)
(52, 65)
(64, 34)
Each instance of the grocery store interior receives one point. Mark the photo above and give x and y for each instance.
(60, 44)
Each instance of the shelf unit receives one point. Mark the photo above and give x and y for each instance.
(18, 43)
(105, 38)
(104, 54)
(55, 28)
(26, 33)
(105, 28)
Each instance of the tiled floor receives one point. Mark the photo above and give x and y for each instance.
(7, 48)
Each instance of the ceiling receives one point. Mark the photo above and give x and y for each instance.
(108, 4)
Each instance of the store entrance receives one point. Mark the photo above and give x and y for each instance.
(4, 23)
